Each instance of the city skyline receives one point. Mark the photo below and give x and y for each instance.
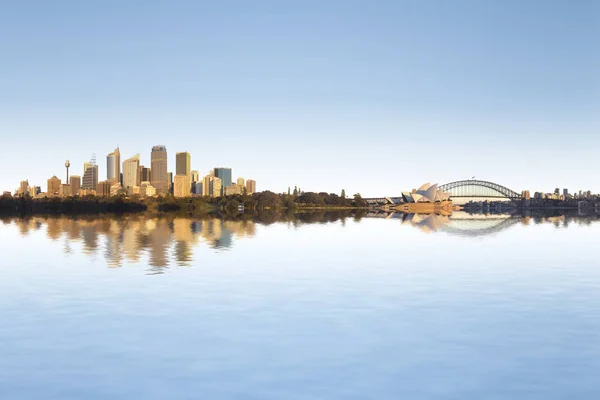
(313, 94)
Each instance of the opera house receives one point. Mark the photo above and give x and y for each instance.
(427, 199)
(426, 194)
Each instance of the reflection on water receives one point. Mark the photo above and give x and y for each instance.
(170, 240)
(468, 224)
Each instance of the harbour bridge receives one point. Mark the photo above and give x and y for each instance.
(470, 188)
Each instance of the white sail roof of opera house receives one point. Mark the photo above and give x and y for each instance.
(426, 194)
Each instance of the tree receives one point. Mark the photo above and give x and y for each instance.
(359, 201)
(343, 195)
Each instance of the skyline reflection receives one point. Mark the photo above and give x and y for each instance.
(159, 242)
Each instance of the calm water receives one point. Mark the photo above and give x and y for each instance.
(380, 307)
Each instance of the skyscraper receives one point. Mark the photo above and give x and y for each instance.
(24, 187)
(183, 164)
(250, 186)
(181, 187)
(53, 186)
(224, 174)
(75, 183)
(159, 176)
(90, 176)
(170, 181)
(131, 172)
(113, 166)
(195, 176)
(240, 181)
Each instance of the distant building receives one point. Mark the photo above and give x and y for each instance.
(233, 189)
(147, 190)
(145, 175)
(24, 187)
(170, 180)
(159, 169)
(197, 188)
(216, 187)
(224, 174)
(131, 172)
(53, 186)
(525, 195)
(195, 177)
(116, 189)
(183, 163)
(75, 183)
(181, 187)
(240, 181)
(250, 186)
(113, 166)
(34, 191)
(90, 176)
(104, 188)
(65, 190)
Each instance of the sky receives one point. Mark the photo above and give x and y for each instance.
(374, 97)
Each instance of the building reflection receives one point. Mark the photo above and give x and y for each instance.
(161, 242)
(156, 242)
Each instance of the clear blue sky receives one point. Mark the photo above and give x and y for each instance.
(371, 96)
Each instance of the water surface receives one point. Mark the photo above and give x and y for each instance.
(313, 307)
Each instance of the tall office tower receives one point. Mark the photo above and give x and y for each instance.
(183, 164)
(240, 181)
(75, 183)
(113, 166)
(206, 185)
(131, 172)
(195, 176)
(144, 174)
(181, 187)
(566, 192)
(159, 169)
(24, 187)
(225, 175)
(216, 187)
(90, 175)
(250, 186)
(53, 186)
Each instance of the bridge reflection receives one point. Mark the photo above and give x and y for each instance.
(461, 223)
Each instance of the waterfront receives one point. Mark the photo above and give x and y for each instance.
(319, 306)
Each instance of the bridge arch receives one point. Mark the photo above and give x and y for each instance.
(475, 188)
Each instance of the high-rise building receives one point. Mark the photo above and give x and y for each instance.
(250, 186)
(75, 183)
(90, 176)
(216, 187)
(144, 174)
(113, 166)
(131, 172)
(159, 169)
(183, 162)
(181, 187)
(195, 177)
(197, 188)
(240, 181)
(24, 188)
(53, 186)
(224, 174)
